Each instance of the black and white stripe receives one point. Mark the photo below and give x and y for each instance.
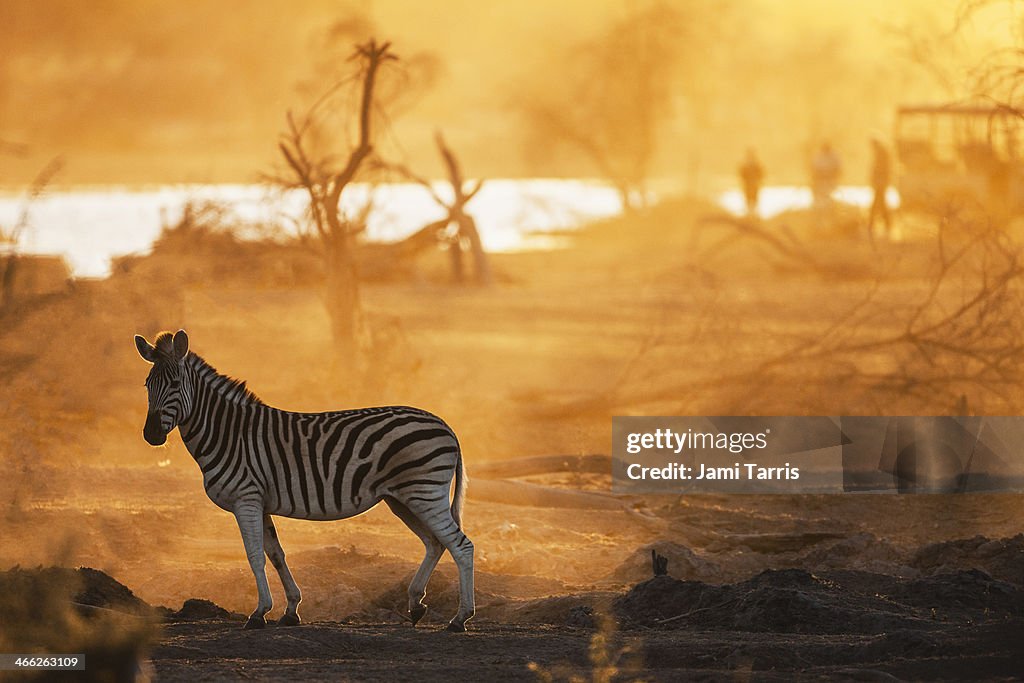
(259, 461)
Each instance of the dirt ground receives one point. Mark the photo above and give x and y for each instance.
(778, 625)
(331, 652)
(662, 313)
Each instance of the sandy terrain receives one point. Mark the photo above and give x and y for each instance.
(658, 314)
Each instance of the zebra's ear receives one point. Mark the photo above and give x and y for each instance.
(146, 350)
(180, 344)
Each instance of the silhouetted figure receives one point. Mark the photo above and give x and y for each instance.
(825, 171)
(881, 175)
(751, 177)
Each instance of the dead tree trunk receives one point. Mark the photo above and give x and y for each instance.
(481, 265)
(465, 223)
(342, 301)
(7, 280)
(466, 231)
(456, 260)
(335, 232)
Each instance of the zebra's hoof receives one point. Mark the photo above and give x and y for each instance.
(255, 622)
(457, 627)
(289, 620)
(417, 613)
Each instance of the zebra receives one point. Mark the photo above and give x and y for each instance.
(258, 461)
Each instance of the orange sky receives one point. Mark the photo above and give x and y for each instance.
(139, 91)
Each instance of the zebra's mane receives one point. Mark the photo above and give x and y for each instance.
(230, 388)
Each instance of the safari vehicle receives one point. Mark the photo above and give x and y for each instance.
(960, 155)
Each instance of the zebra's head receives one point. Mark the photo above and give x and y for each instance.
(170, 397)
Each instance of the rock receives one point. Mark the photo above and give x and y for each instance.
(198, 609)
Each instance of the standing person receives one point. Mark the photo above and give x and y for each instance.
(751, 177)
(881, 175)
(825, 171)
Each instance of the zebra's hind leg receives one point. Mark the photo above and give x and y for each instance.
(250, 522)
(272, 544)
(434, 550)
(437, 517)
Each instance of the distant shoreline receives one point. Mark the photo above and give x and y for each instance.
(89, 225)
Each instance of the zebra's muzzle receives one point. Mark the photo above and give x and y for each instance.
(154, 432)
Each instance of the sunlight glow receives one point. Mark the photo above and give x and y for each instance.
(90, 226)
(781, 198)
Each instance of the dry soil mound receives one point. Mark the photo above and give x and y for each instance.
(1002, 558)
(795, 601)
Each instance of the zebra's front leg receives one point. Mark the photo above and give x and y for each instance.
(272, 544)
(250, 522)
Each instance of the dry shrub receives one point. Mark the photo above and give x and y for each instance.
(43, 615)
(608, 659)
(953, 344)
(209, 245)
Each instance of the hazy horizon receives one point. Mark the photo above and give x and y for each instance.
(139, 93)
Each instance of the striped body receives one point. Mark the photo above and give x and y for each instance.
(317, 466)
(259, 461)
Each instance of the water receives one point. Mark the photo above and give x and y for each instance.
(90, 226)
(779, 198)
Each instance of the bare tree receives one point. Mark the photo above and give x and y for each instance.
(924, 45)
(611, 97)
(962, 336)
(316, 170)
(11, 237)
(953, 344)
(466, 233)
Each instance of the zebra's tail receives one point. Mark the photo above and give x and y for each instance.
(461, 481)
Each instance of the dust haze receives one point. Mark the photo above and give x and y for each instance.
(141, 92)
(680, 304)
